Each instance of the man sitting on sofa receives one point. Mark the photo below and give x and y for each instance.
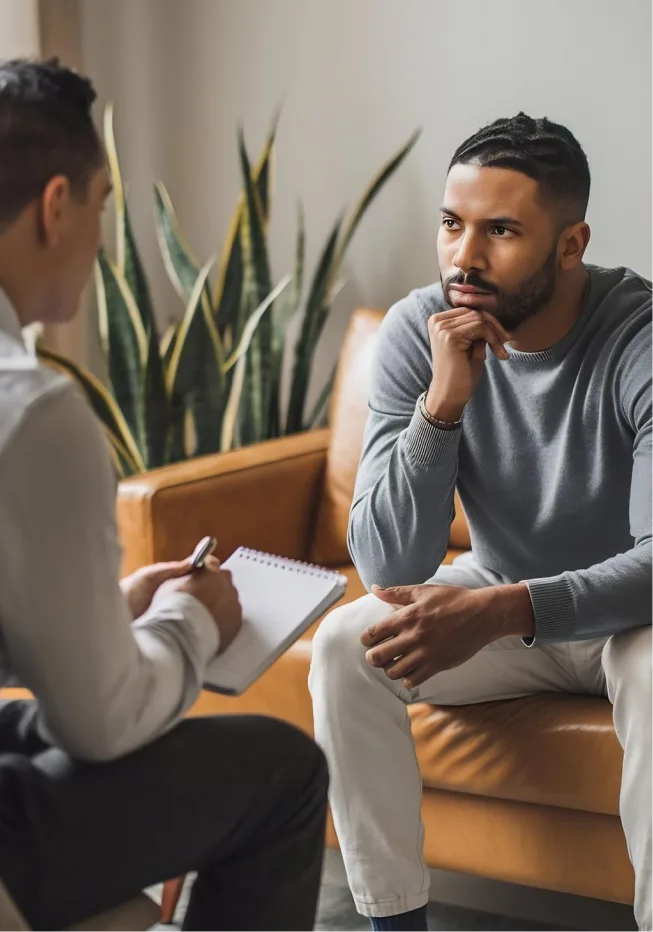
(524, 380)
(101, 791)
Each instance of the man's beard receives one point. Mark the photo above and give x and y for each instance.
(513, 308)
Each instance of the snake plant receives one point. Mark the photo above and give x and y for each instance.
(212, 381)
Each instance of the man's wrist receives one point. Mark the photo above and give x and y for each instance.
(510, 609)
(442, 410)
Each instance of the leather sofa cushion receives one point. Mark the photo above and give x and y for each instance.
(550, 748)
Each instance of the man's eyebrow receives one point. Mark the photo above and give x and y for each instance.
(449, 213)
(496, 221)
(505, 222)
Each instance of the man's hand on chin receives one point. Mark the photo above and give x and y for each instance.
(436, 628)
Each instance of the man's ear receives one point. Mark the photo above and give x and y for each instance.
(52, 208)
(573, 243)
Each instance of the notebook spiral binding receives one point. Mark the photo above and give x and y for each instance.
(294, 566)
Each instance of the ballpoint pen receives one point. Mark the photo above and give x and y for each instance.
(204, 548)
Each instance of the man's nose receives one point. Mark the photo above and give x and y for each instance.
(468, 256)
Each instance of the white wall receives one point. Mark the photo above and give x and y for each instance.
(355, 77)
(19, 28)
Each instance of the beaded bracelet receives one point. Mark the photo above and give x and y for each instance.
(442, 425)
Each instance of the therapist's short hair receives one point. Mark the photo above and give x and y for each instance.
(46, 129)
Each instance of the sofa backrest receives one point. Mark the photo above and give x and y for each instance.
(348, 414)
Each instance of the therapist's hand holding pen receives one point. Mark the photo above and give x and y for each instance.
(200, 576)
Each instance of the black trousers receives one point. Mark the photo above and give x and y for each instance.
(240, 799)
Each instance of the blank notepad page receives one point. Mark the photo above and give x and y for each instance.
(280, 599)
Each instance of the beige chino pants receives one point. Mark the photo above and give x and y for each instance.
(362, 724)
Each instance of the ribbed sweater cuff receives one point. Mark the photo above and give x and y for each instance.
(427, 445)
(553, 607)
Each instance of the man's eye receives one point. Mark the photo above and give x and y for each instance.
(449, 223)
(500, 231)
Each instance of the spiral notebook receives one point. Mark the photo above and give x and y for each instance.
(280, 598)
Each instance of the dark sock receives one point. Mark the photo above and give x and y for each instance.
(413, 921)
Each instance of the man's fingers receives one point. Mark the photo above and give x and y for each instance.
(389, 651)
(416, 677)
(380, 632)
(464, 313)
(403, 666)
(479, 329)
(504, 335)
(483, 324)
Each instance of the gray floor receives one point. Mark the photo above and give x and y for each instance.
(337, 912)
(495, 906)
(462, 902)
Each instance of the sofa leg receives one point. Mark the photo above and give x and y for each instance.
(171, 893)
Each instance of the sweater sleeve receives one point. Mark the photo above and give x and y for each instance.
(614, 595)
(403, 499)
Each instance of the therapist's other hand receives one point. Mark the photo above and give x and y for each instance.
(138, 588)
(213, 587)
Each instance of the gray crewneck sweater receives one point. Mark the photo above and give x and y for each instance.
(553, 464)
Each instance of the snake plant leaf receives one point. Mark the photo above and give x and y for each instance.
(196, 325)
(252, 323)
(104, 406)
(124, 342)
(256, 257)
(175, 449)
(134, 274)
(182, 269)
(155, 399)
(321, 294)
(245, 429)
(379, 180)
(254, 226)
(167, 345)
(116, 180)
(284, 311)
(312, 324)
(175, 442)
(155, 407)
(228, 292)
(128, 259)
(239, 359)
(264, 170)
(123, 463)
(229, 281)
(153, 403)
(116, 461)
(184, 274)
(195, 374)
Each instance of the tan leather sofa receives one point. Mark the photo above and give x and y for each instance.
(524, 790)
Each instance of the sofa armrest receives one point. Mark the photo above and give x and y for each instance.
(263, 496)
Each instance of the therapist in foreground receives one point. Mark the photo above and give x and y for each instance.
(104, 789)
